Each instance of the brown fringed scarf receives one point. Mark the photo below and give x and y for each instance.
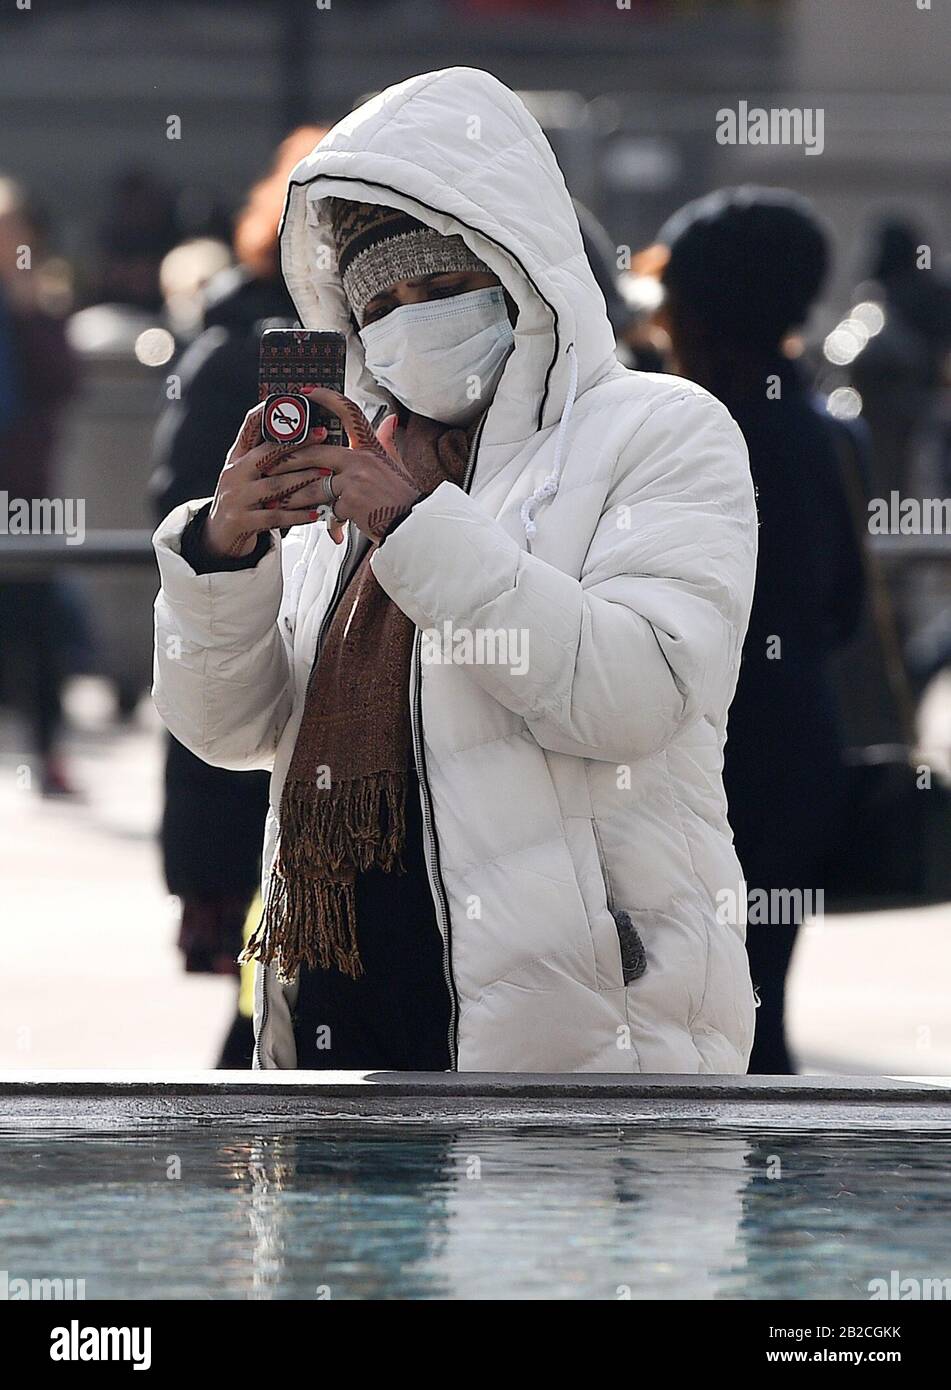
(344, 800)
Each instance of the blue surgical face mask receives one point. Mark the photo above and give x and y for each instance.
(442, 358)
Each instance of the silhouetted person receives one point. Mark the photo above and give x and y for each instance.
(745, 265)
(40, 373)
(900, 370)
(213, 819)
(139, 226)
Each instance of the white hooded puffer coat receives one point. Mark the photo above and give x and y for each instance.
(608, 515)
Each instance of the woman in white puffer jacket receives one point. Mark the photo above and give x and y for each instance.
(589, 905)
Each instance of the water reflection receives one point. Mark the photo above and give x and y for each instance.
(831, 1213)
(389, 1211)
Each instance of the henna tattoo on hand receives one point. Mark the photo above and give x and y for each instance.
(274, 456)
(361, 436)
(381, 518)
(273, 498)
(250, 433)
(234, 549)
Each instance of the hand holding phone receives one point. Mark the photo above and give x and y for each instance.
(272, 477)
(371, 485)
(304, 440)
(292, 361)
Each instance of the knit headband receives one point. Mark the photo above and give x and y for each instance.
(378, 245)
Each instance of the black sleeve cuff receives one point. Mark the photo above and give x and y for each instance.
(202, 561)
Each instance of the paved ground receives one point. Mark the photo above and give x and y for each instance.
(92, 976)
(92, 979)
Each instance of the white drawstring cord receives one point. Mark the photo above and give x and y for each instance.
(549, 487)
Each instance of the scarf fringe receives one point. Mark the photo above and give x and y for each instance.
(309, 916)
(342, 830)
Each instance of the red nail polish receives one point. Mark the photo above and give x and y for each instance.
(314, 516)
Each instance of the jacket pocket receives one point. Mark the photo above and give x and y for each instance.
(589, 875)
(603, 865)
(633, 954)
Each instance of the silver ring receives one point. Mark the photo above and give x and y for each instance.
(329, 493)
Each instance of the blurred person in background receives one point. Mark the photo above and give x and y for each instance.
(900, 371)
(139, 226)
(513, 864)
(213, 819)
(185, 276)
(903, 375)
(741, 269)
(7, 371)
(602, 256)
(630, 311)
(39, 374)
(929, 647)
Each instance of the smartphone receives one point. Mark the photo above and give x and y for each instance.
(292, 360)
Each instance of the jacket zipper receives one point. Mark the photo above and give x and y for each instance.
(603, 864)
(430, 843)
(328, 614)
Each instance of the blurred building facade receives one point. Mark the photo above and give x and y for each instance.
(136, 126)
(630, 96)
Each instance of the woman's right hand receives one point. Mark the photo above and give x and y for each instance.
(262, 486)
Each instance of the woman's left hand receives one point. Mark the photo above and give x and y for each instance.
(371, 486)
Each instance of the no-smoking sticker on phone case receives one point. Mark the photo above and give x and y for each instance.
(286, 419)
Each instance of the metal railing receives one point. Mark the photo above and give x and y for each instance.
(35, 556)
(28, 557)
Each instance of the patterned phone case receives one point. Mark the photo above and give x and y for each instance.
(294, 359)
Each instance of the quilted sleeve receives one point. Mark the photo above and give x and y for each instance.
(648, 639)
(222, 681)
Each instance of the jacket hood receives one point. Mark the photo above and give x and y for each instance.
(460, 152)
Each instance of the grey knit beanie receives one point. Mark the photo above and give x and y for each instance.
(378, 245)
